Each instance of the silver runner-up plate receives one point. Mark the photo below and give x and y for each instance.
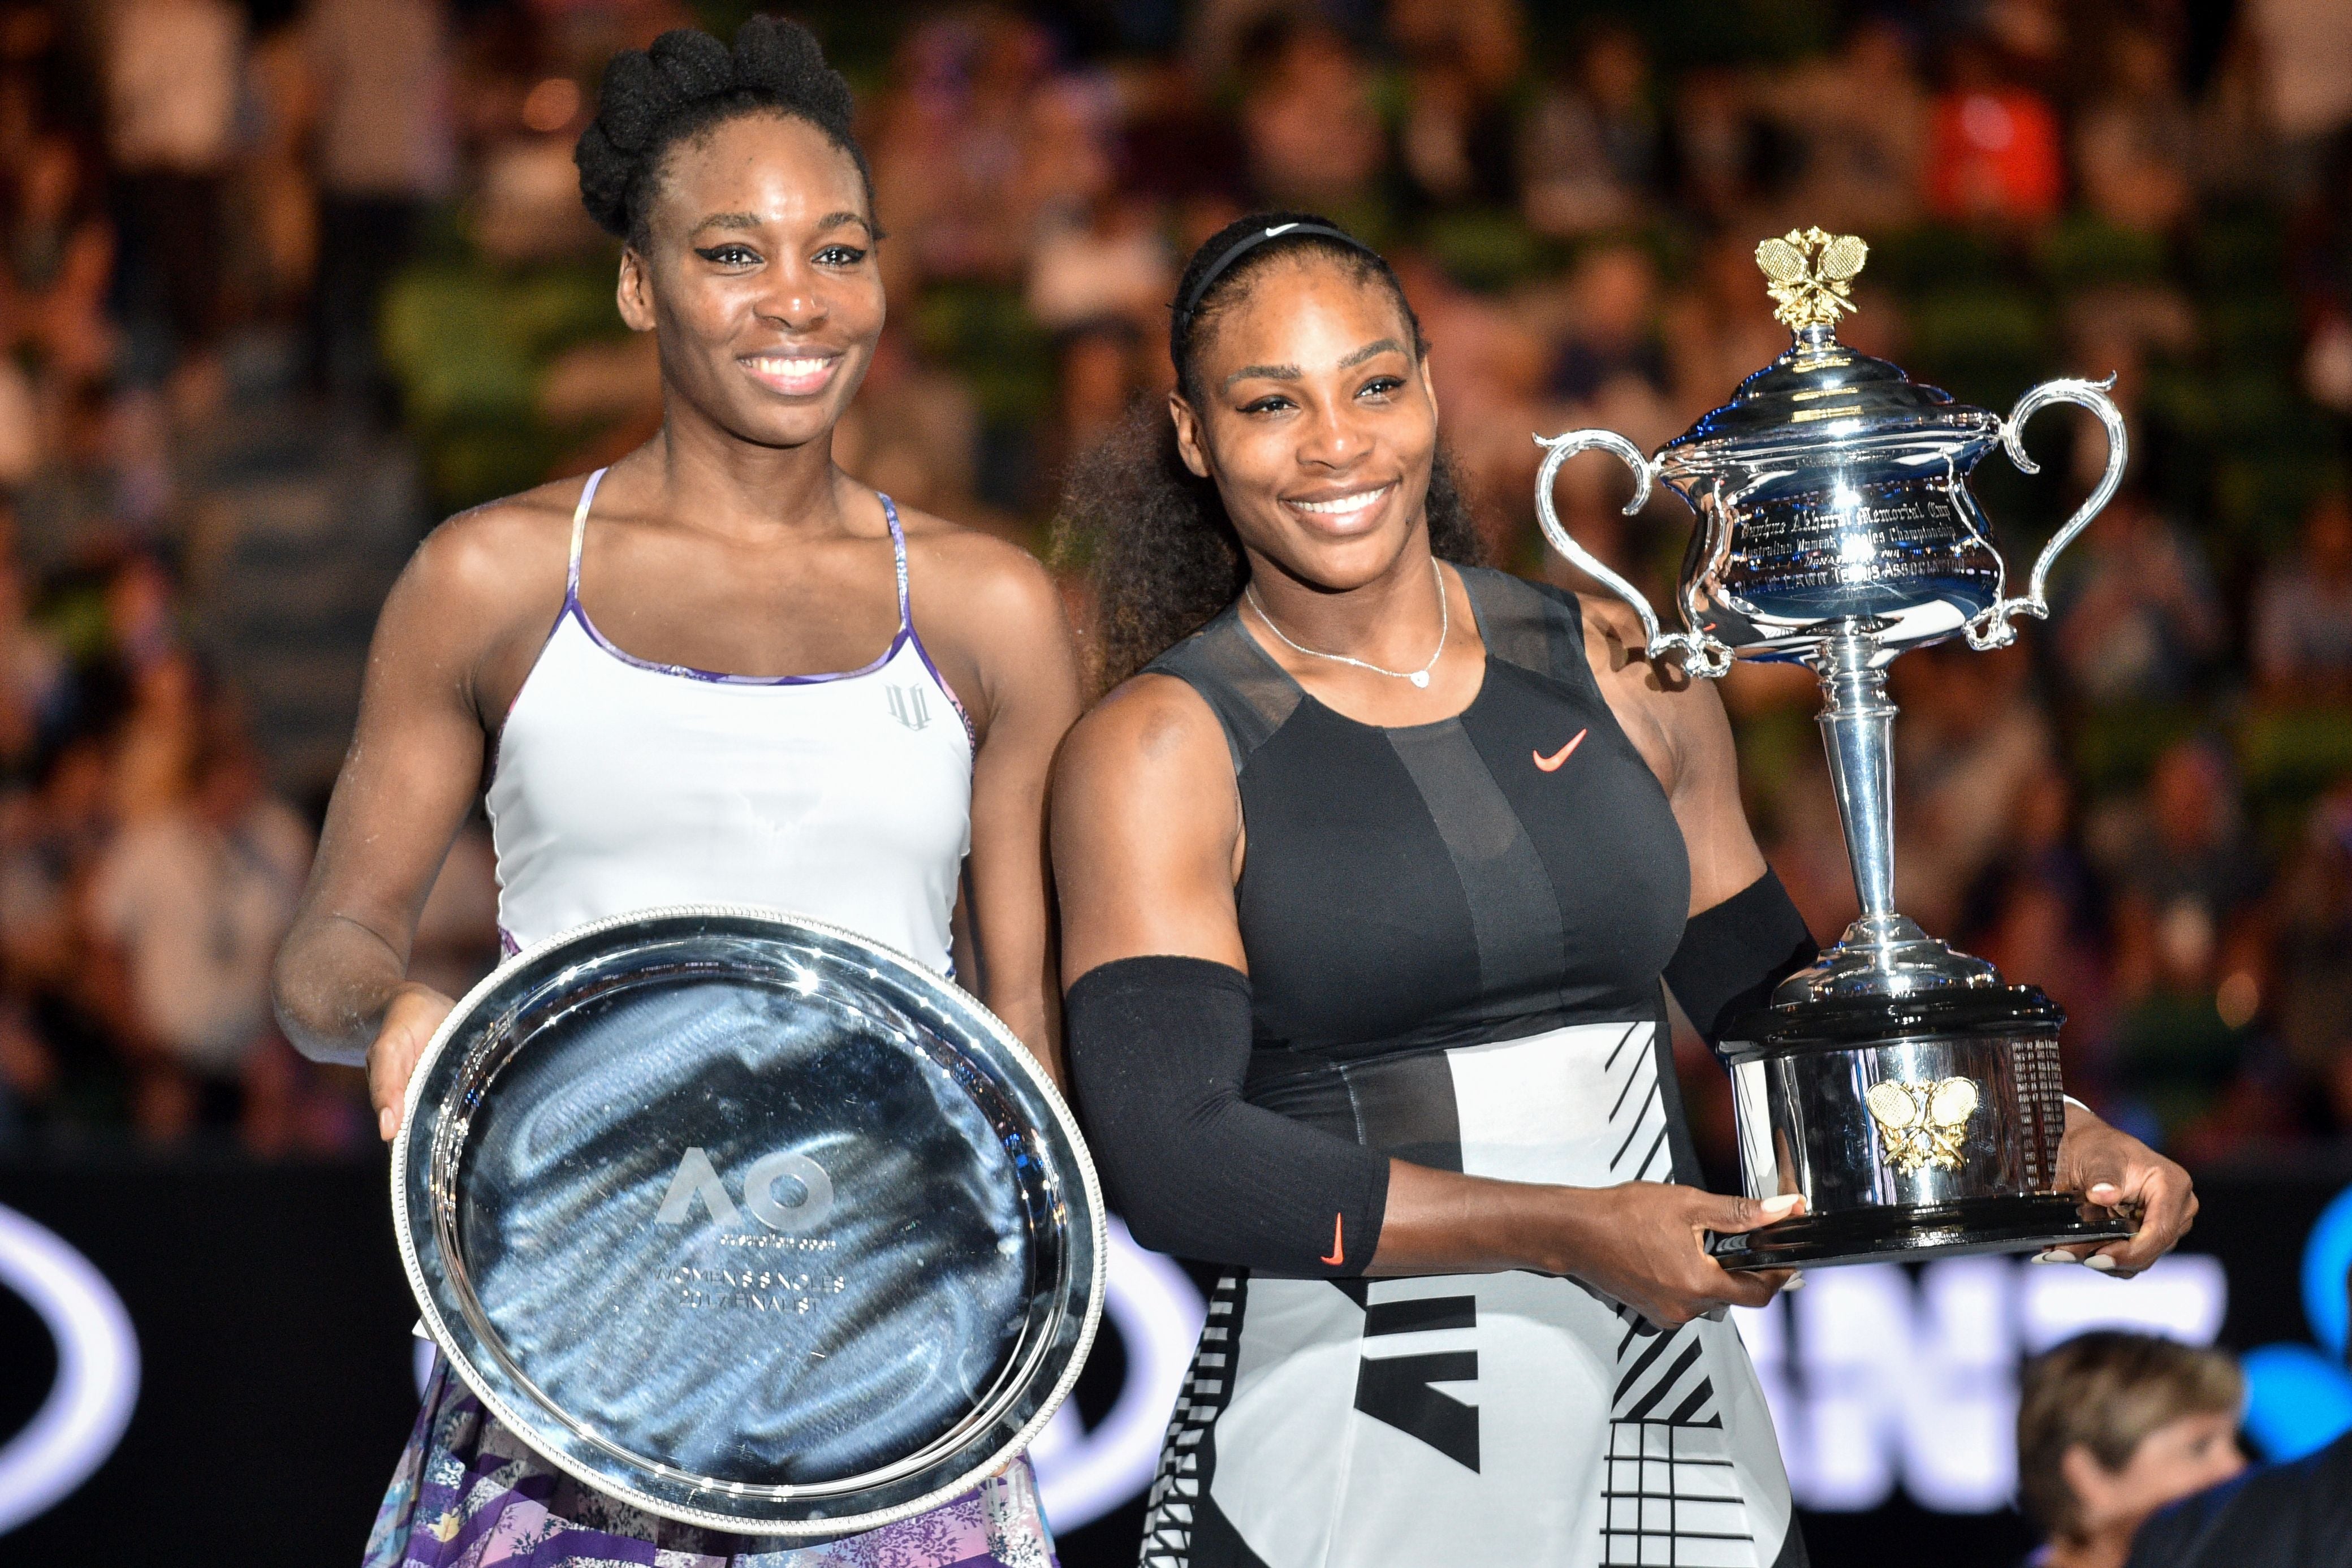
(747, 1222)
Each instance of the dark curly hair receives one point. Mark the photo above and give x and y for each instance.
(687, 83)
(1164, 558)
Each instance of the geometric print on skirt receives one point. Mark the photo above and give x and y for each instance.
(1425, 1421)
(467, 1493)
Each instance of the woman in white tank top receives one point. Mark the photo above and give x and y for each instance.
(719, 671)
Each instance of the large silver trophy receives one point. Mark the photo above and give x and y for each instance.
(747, 1222)
(1903, 1088)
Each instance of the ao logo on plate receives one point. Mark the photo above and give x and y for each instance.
(89, 1404)
(698, 1178)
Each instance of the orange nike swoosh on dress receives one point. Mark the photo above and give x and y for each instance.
(1339, 1245)
(1551, 764)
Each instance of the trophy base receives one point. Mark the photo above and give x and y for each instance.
(1914, 1232)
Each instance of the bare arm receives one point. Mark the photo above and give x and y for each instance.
(1007, 615)
(1148, 839)
(407, 782)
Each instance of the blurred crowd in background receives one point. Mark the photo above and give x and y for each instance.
(282, 283)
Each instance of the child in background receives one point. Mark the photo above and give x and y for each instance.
(2112, 1427)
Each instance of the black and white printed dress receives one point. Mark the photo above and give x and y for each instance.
(1455, 933)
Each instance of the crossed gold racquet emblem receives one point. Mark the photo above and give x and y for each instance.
(1922, 1123)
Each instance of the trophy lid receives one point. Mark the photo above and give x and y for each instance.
(1820, 389)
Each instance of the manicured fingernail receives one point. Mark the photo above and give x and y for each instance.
(2051, 1256)
(2105, 1192)
(385, 1123)
(1787, 1203)
(1796, 1283)
(2101, 1262)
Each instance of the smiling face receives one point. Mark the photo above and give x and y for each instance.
(757, 276)
(1317, 421)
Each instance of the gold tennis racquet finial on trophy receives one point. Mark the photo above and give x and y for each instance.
(1811, 274)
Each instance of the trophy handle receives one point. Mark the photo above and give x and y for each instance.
(1991, 629)
(1703, 655)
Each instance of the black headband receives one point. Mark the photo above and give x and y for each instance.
(1250, 242)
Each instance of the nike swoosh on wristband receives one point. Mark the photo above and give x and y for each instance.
(1338, 1244)
(1551, 764)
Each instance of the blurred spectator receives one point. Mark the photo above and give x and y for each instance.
(1592, 151)
(60, 262)
(2036, 912)
(2293, 1515)
(62, 1060)
(1994, 147)
(2305, 45)
(1858, 124)
(187, 907)
(1307, 122)
(2303, 612)
(155, 751)
(273, 247)
(1461, 57)
(2136, 146)
(2110, 1427)
(2143, 619)
(2190, 947)
(32, 675)
(82, 500)
(1612, 330)
(1719, 146)
(949, 151)
(2315, 955)
(386, 156)
(1108, 263)
(1971, 745)
(913, 433)
(174, 72)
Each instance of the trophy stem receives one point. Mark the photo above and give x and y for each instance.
(1858, 729)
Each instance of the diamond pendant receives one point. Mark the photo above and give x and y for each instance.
(1419, 678)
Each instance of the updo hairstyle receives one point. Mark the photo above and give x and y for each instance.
(688, 83)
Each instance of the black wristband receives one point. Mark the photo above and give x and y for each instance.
(1733, 955)
(1158, 1050)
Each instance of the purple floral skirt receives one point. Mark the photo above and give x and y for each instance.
(470, 1494)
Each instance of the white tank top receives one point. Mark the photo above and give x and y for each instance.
(619, 784)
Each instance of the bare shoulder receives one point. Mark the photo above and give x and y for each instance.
(1152, 738)
(474, 603)
(1619, 650)
(1657, 700)
(505, 553)
(1614, 642)
(965, 561)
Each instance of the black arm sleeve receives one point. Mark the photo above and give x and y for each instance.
(1734, 954)
(1158, 1050)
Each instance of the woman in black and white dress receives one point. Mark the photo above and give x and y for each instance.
(1368, 886)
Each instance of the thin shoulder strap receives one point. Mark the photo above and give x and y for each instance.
(898, 555)
(1250, 693)
(580, 532)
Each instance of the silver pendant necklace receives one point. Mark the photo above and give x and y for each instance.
(1419, 677)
